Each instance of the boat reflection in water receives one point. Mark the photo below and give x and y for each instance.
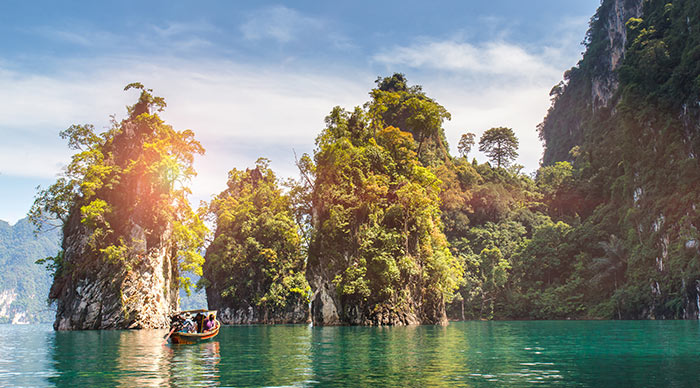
(131, 359)
(195, 365)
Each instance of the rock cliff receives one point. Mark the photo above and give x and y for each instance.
(295, 311)
(128, 230)
(591, 85)
(631, 107)
(605, 80)
(102, 295)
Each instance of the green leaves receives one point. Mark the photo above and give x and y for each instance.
(466, 142)
(500, 145)
(130, 186)
(255, 258)
(375, 207)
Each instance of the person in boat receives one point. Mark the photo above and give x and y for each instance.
(209, 323)
(199, 321)
(188, 326)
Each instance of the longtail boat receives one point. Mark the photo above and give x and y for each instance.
(180, 337)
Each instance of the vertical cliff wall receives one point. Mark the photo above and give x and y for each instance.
(128, 230)
(591, 85)
(631, 108)
(98, 294)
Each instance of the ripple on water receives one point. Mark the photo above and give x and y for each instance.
(471, 354)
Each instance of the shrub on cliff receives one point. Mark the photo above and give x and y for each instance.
(123, 197)
(255, 259)
(377, 237)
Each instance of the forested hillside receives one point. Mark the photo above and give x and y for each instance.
(634, 150)
(24, 285)
(386, 227)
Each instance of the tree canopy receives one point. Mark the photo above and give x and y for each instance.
(466, 142)
(135, 173)
(255, 259)
(500, 145)
(375, 209)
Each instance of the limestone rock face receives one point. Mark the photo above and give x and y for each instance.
(298, 313)
(605, 82)
(329, 309)
(323, 303)
(295, 311)
(122, 237)
(110, 296)
(592, 85)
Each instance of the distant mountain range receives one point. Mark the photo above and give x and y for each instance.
(24, 285)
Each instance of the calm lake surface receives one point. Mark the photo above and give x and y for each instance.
(468, 354)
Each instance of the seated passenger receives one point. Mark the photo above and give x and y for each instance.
(210, 324)
(188, 326)
(199, 321)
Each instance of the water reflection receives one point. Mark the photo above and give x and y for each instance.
(192, 365)
(266, 355)
(131, 359)
(467, 354)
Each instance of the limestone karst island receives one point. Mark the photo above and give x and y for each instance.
(359, 193)
(385, 226)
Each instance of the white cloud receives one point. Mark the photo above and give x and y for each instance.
(491, 58)
(238, 112)
(279, 23)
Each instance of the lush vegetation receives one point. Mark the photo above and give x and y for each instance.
(399, 228)
(632, 190)
(127, 189)
(374, 208)
(255, 259)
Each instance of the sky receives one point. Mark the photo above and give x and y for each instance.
(256, 79)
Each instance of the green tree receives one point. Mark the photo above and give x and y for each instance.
(255, 259)
(494, 271)
(466, 142)
(500, 145)
(609, 269)
(128, 188)
(377, 249)
(398, 105)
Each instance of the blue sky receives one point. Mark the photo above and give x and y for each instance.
(257, 78)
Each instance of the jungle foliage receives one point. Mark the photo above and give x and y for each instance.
(634, 178)
(255, 259)
(131, 177)
(374, 206)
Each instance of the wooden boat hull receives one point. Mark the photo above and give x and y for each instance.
(193, 338)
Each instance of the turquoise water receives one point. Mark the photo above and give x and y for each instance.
(467, 354)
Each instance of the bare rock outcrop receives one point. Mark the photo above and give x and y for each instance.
(605, 81)
(123, 244)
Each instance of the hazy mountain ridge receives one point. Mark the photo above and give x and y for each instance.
(24, 285)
